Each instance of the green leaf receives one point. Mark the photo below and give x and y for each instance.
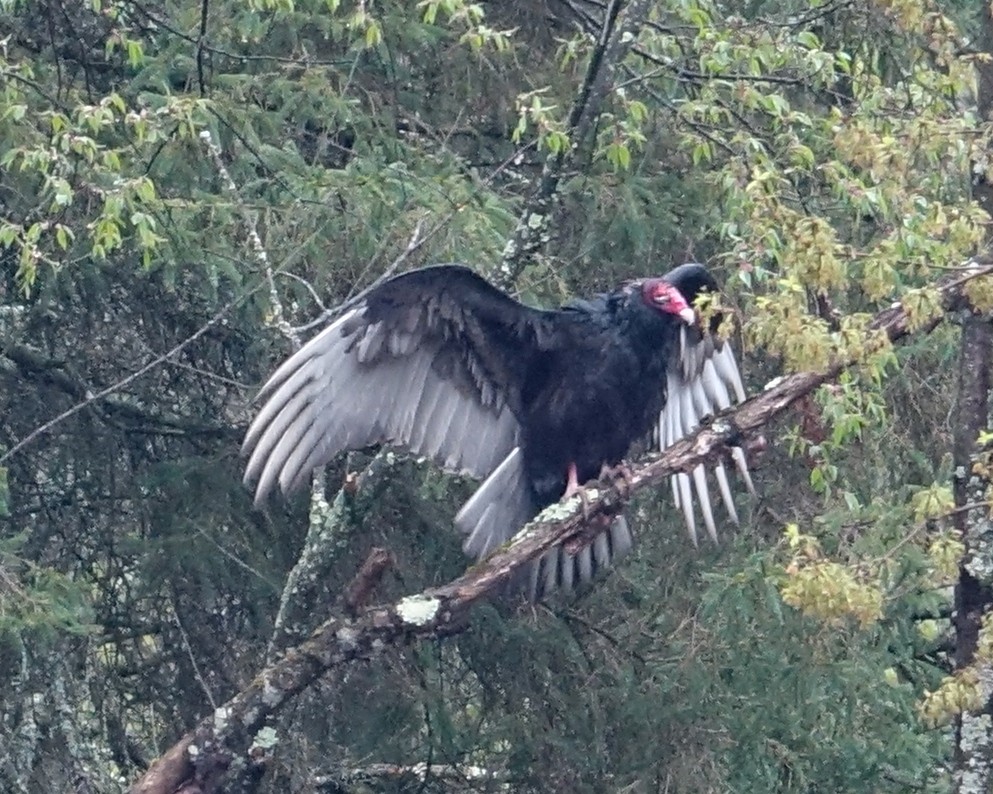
(932, 502)
(373, 34)
(15, 112)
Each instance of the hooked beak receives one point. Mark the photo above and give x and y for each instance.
(687, 315)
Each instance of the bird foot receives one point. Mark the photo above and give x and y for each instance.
(584, 498)
(619, 476)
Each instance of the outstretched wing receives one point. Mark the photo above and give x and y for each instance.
(433, 360)
(701, 381)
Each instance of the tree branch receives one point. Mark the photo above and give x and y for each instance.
(329, 527)
(225, 739)
(618, 33)
(456, 777)
(123, 382)
(30, 364)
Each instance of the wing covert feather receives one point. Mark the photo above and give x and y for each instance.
(433, 360)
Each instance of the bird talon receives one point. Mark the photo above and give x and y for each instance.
(584, 500)
(619, 476)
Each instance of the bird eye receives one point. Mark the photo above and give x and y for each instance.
(661, 298)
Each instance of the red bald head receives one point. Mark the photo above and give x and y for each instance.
(665, 298)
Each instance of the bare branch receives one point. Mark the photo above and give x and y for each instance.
(30, 364)
(123, 382)
(365, 581)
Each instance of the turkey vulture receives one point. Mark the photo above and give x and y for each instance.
(531, 402)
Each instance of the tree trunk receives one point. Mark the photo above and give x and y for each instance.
(974, 732)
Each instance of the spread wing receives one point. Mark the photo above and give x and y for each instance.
(703, 380)
(433, 360)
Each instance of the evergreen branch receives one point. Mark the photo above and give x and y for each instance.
(191, 655)
(31, 364)
(617, 35)
(416, 242)
(117, 386)
(13, 76)
(161, 22)
(670, 67)
(230, 738)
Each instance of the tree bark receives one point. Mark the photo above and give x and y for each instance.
(974, 591)
(231, 738)
(972, 597)
(974, 732)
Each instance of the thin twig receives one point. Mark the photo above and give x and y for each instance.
(193, 661)
(118, 385)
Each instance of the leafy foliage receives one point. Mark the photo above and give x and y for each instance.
(178, 191)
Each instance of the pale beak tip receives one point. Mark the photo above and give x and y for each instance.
(687, 315)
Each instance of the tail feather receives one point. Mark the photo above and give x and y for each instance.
(504, 503)
(559, 570)
(501, 505)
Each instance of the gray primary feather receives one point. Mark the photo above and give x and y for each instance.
(503, 503)
(700, 383)
(558, 569)
(328, 397)
(503, 499)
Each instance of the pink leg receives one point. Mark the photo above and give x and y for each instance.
(572, 486)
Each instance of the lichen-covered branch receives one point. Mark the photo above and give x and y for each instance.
(329, 528)
(455, 778)
(230, 737)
